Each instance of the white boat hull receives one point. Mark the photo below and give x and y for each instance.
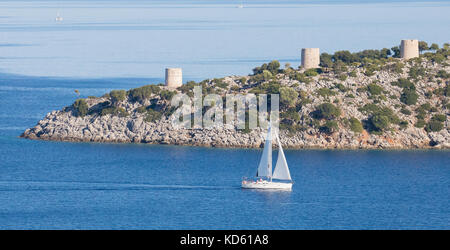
(267, 185)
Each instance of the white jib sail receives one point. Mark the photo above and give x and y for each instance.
(265, 165)
(281, 171)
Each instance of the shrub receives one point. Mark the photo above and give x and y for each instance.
(142, 93)
(439, 118)
(272, 87)
(326, 111)
(288, 96)
(81, 108)
(355, 125)
(370, 70)
(311, 72)
(152, 116)
(188, 87)
(420, 123)
(405, 111)
(324, 92)
(434, 126)
(409, 97)
(167, 94)
(329, 127)
(341, 87)
(326, 60)
(301, 78)
(443, 74)
(339, 67)
(379, 122)
(235, 88)
(118, 111)
(404, 83)
(267, 75)
(290, 114)
(403, 124)
(426, 106)
(220, 83)
(273, 66)
(374, 89)
(373, 109)
(141, 109)
(117, 96)
(415, 72)
(342, 77)
(395, 67)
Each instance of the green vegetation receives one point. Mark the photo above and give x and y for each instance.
(443, 74)
(117, 111)
(326, 111)
(311, 72)
(409, 97)
(80, 107)
(288, 96)
(290, 116)
(342, 77)
(420, 123)
(341, 87)
(272, 67)
(404, 83)
(423, 46)
(152, 115)
(117, 96)
(403, 124)
(405, 111)
(329, 127)
(272, 87)
(380, 117)
(434, 126)
(379, 122)
(142, 93)
(374, 89)
(325, 92)
(167, 94)
(416, 71)
(220, 83)
(270, 79)
(141, 109)
(355, 125)
(439, 118)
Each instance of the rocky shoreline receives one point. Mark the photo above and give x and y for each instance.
(350, 94)
(61, 126)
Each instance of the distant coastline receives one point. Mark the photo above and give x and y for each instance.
(366, 100)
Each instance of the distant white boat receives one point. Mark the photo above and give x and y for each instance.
(240, 6)
(58, 17)
(280, 178)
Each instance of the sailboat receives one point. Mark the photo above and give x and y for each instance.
(280, 178)
(58, 17)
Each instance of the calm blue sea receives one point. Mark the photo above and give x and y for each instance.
(104, 45)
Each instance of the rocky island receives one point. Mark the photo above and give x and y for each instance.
(388, 98)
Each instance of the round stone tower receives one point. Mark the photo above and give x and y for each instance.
(310, 58)
(409, 49)
(174, 77)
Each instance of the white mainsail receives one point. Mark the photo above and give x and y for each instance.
(281, 170)
(265, 165)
